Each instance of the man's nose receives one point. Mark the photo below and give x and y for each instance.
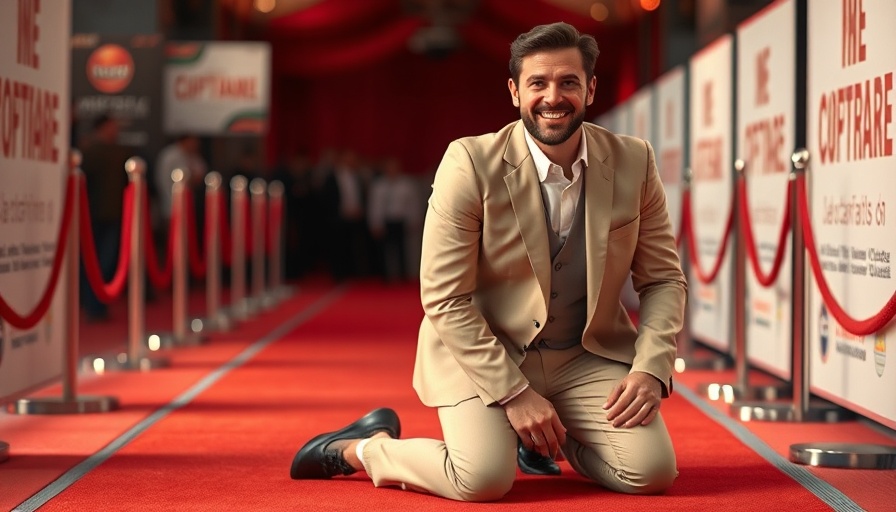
(552, 95)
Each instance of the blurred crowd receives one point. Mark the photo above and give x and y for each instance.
(346, 215)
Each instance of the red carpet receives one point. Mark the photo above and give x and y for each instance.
(230, 448)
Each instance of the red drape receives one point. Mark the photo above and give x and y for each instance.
(343, 77)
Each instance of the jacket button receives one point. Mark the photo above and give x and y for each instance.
(554, 295)
(558, 266)
(550, 319)
(536, 323)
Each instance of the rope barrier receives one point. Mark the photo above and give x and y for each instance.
(869, 325)
(197, 260)
(106, 293)
(702, 276)
(746, 229)
(30, 319)
(159, 277)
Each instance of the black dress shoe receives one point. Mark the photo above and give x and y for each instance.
(317, 460)
(534, 463)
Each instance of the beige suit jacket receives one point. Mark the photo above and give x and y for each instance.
(486, 265)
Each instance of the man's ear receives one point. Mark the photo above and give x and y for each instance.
(514, 92)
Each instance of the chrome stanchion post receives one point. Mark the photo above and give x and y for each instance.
(742, 389)
(276, 219)
(180, 285)
(69, 403)
(258, 191)
(239, 307)
(135, 358)
(839, 455)
(687, 358)
(799, 409)
(215, 319)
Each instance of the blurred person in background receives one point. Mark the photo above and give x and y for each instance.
(343, 199)
(102, 160)
(393, 209)
(301, 229)
(183, 153)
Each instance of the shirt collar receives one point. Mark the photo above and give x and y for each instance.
(543, 163)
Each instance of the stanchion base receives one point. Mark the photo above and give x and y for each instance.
(818, 411)
(123, 362)
(4, 451)
(240, 311)
(59, 405)
(729, 393)
(284, 291)
(208, 324)
(169, 340)
(844, 455)
(693, 362)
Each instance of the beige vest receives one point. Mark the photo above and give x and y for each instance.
(568, 298)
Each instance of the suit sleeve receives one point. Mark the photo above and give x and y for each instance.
(659, 281)
(448, 278)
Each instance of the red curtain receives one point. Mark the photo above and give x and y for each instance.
(343, 77)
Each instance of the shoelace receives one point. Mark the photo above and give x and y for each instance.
(334, 463)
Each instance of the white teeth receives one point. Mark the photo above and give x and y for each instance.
(552, 115)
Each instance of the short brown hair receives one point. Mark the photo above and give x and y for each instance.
(553, 37)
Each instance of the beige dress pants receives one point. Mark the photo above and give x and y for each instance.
(477, 460)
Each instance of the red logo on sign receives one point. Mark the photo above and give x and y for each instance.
(110, 68)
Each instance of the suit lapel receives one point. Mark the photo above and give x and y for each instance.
(598, 214)
(525, 198)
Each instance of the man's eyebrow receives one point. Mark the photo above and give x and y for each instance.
(568, 76)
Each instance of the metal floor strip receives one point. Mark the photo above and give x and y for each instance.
(823, 490)
(76, 473)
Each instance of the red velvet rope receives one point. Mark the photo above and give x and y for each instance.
(197, 261)
(869, 325)
(746, 229)
(702, 276)
(106, 293)
(29, 320)
(159, 277)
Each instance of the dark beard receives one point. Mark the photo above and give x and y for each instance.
(554, 138)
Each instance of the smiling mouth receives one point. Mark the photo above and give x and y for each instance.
(553, 114)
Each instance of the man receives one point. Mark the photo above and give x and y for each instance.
(528, 239)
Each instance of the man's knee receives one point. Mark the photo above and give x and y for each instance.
(654, 479)
(485, 485)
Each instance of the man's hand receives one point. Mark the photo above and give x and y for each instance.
(634, 401)
(536, 422)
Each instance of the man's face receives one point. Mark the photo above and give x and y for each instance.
(552, 94)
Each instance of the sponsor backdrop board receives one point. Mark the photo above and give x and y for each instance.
(622, 118)
(605, 120)
(669, 138)
(851, 126)
(217, 88)
(120, 76)
(34, 95)
(766, 131)
(711, 139)
(642, 114)
(640, 126)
